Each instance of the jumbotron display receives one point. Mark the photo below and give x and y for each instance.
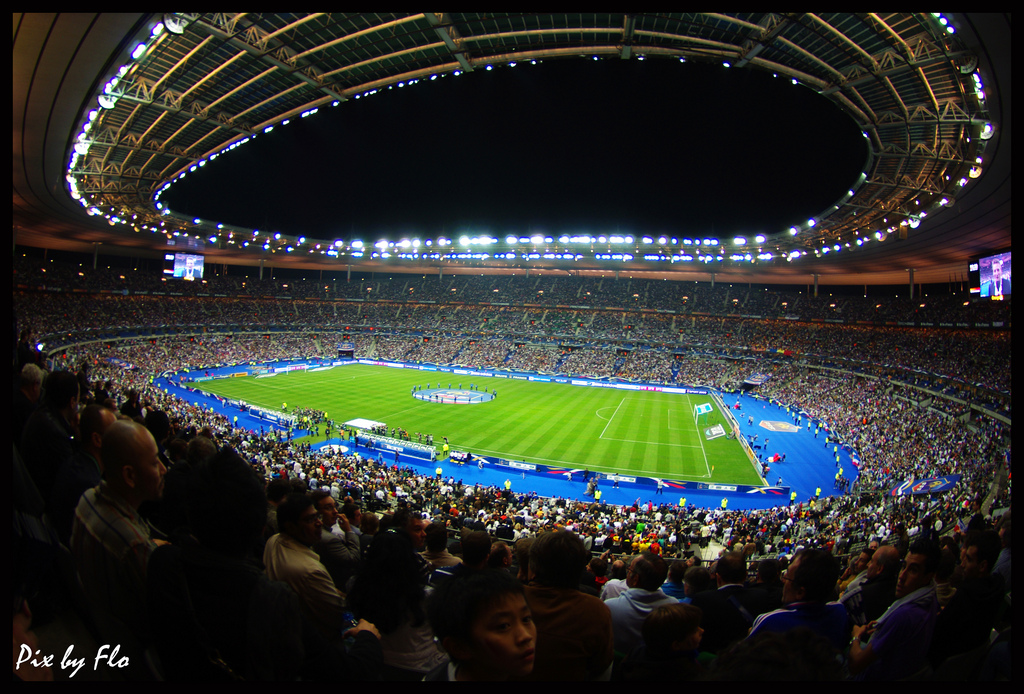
(183, 266)
(994, 274)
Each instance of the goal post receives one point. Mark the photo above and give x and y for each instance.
(734, 426)
(701, 413)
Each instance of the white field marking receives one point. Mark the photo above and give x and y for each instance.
(613, 417)
(598, 413)
(700, 437)
(671, 415)
(265, 383)
(654, 443)
(645, 442)
(506, 456)
(395, 414)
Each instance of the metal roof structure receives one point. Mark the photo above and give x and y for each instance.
(110, 109)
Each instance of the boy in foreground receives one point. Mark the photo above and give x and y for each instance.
(484, 623)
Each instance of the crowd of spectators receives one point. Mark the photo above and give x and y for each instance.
(489, 354)
(973, 357)
(535, 358)
(640, 536)
(213, 491)
(440, 350)
(544, 289)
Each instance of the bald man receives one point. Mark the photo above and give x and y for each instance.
(26, 397)
(110, 540)
(873, 596)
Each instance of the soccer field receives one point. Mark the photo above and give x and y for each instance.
(615, 431)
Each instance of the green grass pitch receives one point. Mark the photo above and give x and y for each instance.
(615, 431)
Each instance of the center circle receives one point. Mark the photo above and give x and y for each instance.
(453, 396)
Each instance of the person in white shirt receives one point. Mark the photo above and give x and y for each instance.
(616, 585)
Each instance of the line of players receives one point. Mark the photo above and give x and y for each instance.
(472, 386)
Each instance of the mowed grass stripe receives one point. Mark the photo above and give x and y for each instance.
(634, 453)
(540, 430)
(655, 428)
(546, 428)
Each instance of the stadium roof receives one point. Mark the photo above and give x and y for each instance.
(110, 109)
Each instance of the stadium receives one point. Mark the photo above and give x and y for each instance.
(742, 281)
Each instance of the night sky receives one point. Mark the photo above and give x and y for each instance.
(567, 146)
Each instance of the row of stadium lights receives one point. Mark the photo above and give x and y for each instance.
(175, 23)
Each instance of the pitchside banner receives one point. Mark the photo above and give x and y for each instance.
(932, 485)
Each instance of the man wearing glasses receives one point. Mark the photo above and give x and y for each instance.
(808, 593)
(289, 557)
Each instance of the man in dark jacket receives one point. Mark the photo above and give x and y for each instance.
(967, 620)
(50, 436)
(729, 611)
(873, 596)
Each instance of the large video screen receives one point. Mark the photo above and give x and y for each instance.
(184, 266)
(995, 277)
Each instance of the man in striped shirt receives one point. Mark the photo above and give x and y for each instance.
(111, 542)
